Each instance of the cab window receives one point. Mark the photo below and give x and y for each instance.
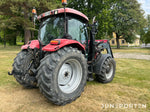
(77, 30)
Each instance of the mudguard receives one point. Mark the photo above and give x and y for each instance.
(63, 42)
(31, 44)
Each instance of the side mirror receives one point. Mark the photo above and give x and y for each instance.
(96, 25)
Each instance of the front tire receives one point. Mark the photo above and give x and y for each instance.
(105, 69)
(62, 75)
(20, 65)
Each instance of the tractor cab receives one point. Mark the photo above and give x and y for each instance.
(54, 25)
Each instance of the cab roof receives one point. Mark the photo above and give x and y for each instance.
(68, 11)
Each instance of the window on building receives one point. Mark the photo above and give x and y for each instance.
(122, 41)
(113, 42)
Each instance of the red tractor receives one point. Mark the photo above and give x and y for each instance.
(65, 55)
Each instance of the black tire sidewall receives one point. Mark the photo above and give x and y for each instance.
(99, 70)
(20, 65)
(17, 66)
(113, 74)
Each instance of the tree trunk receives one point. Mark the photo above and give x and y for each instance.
(27, 32)
(27, 35)
(4, 39)
(14, 42)
(32, 32)
(117, 40)
(32, 37)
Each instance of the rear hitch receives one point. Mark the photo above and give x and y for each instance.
(11, 73)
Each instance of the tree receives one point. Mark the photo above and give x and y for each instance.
(127, 19)
(144, 30)
(7, 27)
(148, 22)
(147, 37)
(18, 13)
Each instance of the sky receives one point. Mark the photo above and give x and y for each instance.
(145, 5)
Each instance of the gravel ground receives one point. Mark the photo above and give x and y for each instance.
(132, 56)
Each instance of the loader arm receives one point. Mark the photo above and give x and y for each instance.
(106, 45)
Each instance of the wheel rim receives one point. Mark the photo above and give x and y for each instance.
(69, 76)
(109, 70)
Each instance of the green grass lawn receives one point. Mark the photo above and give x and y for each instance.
(131, 85)
(132, 50)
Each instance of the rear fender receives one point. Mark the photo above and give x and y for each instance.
(31, 44)
(63, 43)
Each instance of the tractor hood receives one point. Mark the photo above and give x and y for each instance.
(68, 11)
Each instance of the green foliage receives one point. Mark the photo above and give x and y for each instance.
(148, 22)
(144, 31)
(127, 18)
(1, 34)
(146, 37)
(16, 15)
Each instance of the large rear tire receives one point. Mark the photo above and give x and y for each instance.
(105, 69)
(62, 75)
(20, 65)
